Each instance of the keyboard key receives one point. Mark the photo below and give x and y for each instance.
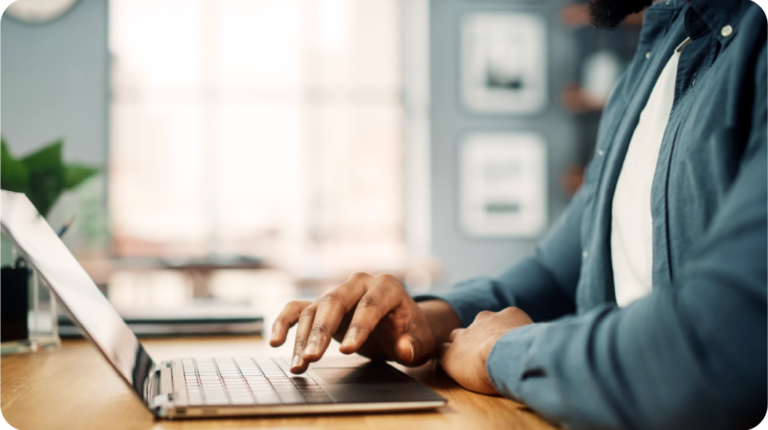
(267, 400)
(234, 391)
(303, 381)
(288, 393)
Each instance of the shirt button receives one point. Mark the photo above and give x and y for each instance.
(726, 31)
(600, 152)
(585, 254)
(648, 54)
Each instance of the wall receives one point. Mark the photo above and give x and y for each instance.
(54, 84)
(463, 256)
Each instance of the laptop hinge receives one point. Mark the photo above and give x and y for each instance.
(166, 383)
(156, 387)
(162, 382)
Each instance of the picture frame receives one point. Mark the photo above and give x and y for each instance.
(503, 184)
(504, 63)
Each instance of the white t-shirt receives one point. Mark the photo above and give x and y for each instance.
(632, 224)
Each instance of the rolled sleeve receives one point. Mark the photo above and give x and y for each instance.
(506, 363)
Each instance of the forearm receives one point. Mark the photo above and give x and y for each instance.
(442, 319)
(542, 284)
(527, 285)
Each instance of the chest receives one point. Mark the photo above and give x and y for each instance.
(697, 159)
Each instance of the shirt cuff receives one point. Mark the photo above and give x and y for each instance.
(508, 362)
(467, 298)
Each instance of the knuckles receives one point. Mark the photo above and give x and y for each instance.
(359, 276)
(369, 301)
(330, 298)
(320, 329)
(307, 312)
(513, 311)
(387, 279)
(294, 304)
(484, 315)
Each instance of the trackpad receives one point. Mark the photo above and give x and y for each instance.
(369, 373)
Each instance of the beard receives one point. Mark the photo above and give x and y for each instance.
(607, 14)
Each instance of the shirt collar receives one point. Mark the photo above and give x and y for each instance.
(719, 16)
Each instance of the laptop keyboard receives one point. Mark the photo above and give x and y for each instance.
(247, 381)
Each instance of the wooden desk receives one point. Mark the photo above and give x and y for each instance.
(75, 388)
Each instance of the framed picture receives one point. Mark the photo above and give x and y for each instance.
(503, 185)
(504, 63)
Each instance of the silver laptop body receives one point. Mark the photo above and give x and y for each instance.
(204, 387)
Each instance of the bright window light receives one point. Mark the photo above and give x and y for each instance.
(258, 128)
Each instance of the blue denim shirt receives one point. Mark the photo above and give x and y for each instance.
(691, 354)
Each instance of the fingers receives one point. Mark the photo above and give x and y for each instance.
(377, 302)
(414, 347)
(443, 351)
(330, 312)
(298, 365)
(287, 318)
(455, 333)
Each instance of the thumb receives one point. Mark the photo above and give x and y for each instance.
(414, 347)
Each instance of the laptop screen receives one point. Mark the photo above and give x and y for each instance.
(91, 310)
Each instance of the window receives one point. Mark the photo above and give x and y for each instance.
(258, 128)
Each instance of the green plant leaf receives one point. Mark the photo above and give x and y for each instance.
(14, 175)
(47, 158)
(75, 174)
(46, 176)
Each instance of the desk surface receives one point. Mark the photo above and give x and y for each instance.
(75, 388)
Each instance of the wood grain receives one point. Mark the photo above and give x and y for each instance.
(75, 388)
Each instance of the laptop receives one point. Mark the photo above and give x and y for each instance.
(204, 387)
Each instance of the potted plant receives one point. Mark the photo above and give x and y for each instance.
(43, 177)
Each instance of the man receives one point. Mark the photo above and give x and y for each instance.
(644, 307)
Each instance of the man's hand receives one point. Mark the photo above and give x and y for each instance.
(467, 351)
(371, 315)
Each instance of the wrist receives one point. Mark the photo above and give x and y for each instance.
(442, 319)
